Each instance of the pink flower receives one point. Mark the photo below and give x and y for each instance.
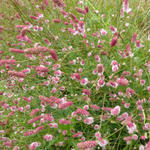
(53, 54)
(87, 145)
(80, 10)
(114, 41)
(100, 68)
(103, 32)
(89, 120)
(97, 135)
(102, 142)
(86, 92)
(148, 88)
(78, 134)
(115, 111)
(122, 81)
(57, 20)
(131, 127)
(48, 137)
(134, 137)
(34, 145)
(134, 37)
(84, 81)
(126, 6)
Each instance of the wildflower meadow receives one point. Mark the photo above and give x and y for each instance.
(74, 74)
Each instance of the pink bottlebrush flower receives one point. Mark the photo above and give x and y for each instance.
(84, 81)
(122, 81)
(34, 145)
(80, 10)
(97, 135)
(34, 17)
(65, 105)
(7, 61)
(100, 83)
(66, 23)
(143, 137)
(78, 134)
(65, 122)
(10, 61)
(147, 146)
(36, 50)
(87, 145)
(86, 92)
(97, 58)
(115, 111)
(131, 127)
(11, 113)
(96, 127)
(53, 54)
(130, 92)
(134, 37)
(47, 41)
(148, 88)
(127, 139)
(34, 119)
(64, 13)
(58, 73)
(24, 30)
(89, 120)
(43, 98)
(46, 2)
(48, 117)
(77, 76)
(16, 148)
(122, 117)
(26, 71)
(146, 126)
(113, 29)
(38, 129)
(102, 142)
(86, 107)
(100, 68)
(8, 143)
(103, 32)
(86, 9)
(82, 112)
(134, 137)
(26, 99)
(114, 41)
(16, 74)
(95, 107)
(142, 82)
(72, 31)
(42, 69)
(57, 20)
(64, 132)
(28, 133)
(122, 13)
(74, 17)
(53, 125)
(59, 3)
(48, 137)
(126, 6)
(138, 44)
(34, 112)
(16, 50)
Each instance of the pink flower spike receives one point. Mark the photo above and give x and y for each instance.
(115, 111)
(87, 145)
(126, 6)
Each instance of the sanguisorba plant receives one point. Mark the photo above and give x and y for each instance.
(74, 74)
